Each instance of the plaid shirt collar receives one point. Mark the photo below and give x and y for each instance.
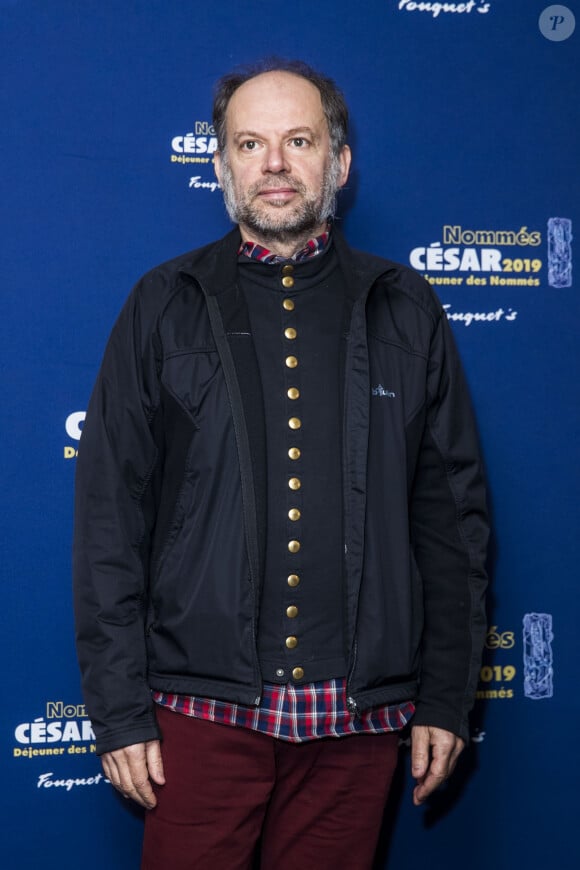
(313, 247)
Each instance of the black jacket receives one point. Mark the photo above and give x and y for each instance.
(169, 522)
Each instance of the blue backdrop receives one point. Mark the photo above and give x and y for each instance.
(466, 142)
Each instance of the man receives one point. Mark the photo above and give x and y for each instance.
(280, 521)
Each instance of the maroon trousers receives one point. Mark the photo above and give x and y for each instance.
(231, 792)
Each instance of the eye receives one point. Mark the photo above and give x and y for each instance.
(299, 141)
(249, 145)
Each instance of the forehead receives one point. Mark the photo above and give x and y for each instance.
(275, 100)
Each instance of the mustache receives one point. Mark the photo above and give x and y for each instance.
(279, 182)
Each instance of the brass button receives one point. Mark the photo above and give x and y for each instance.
(293, 546)
(295, 422)
(291, 362)
(294, 453)
(291, 642)
(298, 673)
(290, 332)
(293, 580)
(287, 281)
(293, 393)
(294, 514)
(287, 269)
(288, 304)
(292, 611)
(294, 483)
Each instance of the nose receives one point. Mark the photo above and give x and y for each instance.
(275, 159)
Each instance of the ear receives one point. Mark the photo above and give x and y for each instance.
(344, 159)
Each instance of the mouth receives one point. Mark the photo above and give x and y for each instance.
(277, 193)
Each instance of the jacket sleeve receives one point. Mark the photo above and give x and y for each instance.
(449, 532)
(116, 460)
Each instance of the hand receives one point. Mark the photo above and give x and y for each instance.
(132, 768)
(434, 753)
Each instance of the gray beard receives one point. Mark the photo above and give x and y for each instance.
(292, 223)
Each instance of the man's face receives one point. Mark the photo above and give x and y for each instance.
(278, 174)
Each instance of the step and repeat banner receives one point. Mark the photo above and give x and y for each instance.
(465, 133)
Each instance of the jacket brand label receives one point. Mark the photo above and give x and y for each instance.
(380, 391)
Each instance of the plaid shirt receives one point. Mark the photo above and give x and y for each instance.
(294, 712)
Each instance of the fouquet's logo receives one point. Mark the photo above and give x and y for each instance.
(48, 780)
(435, 9)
